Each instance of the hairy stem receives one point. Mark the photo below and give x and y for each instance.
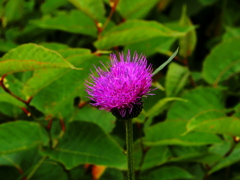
(129, 144)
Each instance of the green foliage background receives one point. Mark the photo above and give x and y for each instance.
(190, 128)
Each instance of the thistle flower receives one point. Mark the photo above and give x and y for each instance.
(120, 88)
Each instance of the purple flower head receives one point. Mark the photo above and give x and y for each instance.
(121, 88)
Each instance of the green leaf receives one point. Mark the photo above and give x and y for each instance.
(156, 156)
(30, 57)
(10, 106)
(165, 63)
(69, 86)
(48, 6)
(192, 154)
(74, 22)
(158, 108)
(170, 132)
(161, 44)
(21, 135)
(223, 148)
(237, 110)
(135, 9)
(231, 33)
(54, 46)
(188, 42)
(86, 143)
(7, 98)
(221, 125)
(67, 52)
(6, 45)
(167, 173)
(103, 119)
(202, 117)
(222, 62)
(14, 10)
(134, 31)
(111, 173)
(51, 168)
(94, 9)
(227, 161)
(21, 159)
(151, 46)
(176, 79)
(48, 76)
(197, 101)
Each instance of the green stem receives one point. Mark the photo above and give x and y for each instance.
(129, 144)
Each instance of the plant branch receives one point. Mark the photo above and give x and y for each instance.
(113, 5)
(11, 93)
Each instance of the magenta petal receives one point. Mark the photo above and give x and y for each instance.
(120, 87)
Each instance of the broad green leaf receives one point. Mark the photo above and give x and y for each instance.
(198, 100)
(188, 42)
(30, 57)
(192, 154)
(14, 10)
(21, 159)
(94, 9)
(135, 9)
(103, 119)
(111, 173)
(159, 107)
(51, 168)
(202, 117)
(21, 135)
(161, 44)
(231, 33)
(6, 45)
(9, 160)
(7, 98)
(227, 161)
(176, 79)
(67, 52)
(63, 90)
(151, 46)
(237, 110)
(222, 148)
(15, 82)
(134, 31)
(167, 173)
(54, 46)
(47, 76)
(222, 125)
(48, 6)
(198, 154)
(86, 143)
(74, 22)
(13, 66)
(156, 156)
(9, 110)
(10, 106)
(170, 132)
(33, 165)
(222, 62)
